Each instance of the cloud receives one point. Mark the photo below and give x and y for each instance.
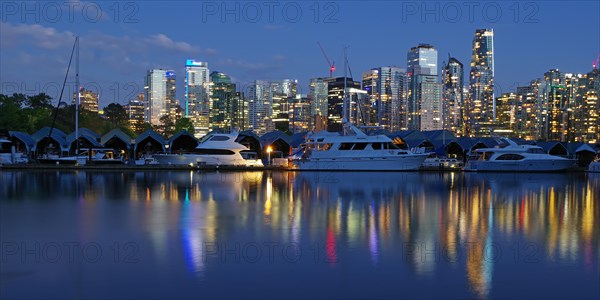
(211, 51)
(43, 37)
(279, 57)
(48, 38)
(161, 40)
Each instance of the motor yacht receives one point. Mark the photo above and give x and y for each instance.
(354, 151)
(594, 166)
(217, 149)
(516, 158)
(8, 154)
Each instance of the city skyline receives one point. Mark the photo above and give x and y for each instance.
(114, 53)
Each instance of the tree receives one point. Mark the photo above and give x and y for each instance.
(184, 124)
(116, 114)
(39, 101)
(167, 125)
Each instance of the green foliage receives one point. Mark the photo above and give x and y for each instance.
(167, 126)
(30, 113)
(116, 114)
(184, 124)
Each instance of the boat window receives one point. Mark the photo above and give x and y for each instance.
(213, 152)
(510, 157)
(5, 147)
(346, 146)
(536, 150)
(220, 138)
(376, 146)
(402, 152)
(360, 146)
(324, 147)
(487, 155)
(389, 146)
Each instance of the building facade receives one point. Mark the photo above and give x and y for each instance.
(198, 96)
(422, 64)
(453, 104)
(160, 95)
(482, 83)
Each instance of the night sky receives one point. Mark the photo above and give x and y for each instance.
(272, 40)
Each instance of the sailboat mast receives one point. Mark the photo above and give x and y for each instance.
(345, 99)
(78, 94)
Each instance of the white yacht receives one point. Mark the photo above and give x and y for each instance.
(8, 154)
(355, 151)
(217, 149)
(594, 166)
(514, 158)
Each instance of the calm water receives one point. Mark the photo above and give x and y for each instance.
(299, 235)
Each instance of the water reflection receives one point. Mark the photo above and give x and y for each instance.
(473, 226)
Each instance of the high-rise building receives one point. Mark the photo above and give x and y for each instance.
(197, 96)
(422, 69)
(387, 90)
(335, 101)
(224, 103)
(586, 111)
(429, 97)
(135, 113)
(526, 113)
(282, 95)
(506, 114)
(422, 59)
(300, 114)
(160, 95)
(260, 107)
(482, 83)
(88, 100)
(318, 91)
(453, 104)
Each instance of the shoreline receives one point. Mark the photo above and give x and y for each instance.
(118, 167)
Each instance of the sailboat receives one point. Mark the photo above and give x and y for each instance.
(68, 160)
(353, 150)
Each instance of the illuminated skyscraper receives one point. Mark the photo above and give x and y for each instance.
(160, 95)
(224, 103)
(282, 95)
(135, 112)
(482, 83)
(387, 89)
(335, 101)
(422, 70)
(197, 96)
(506, 108)
(453, 106)
(318, 90)
(260, 107)
(526, 112)
(88, 100)
(422, 59)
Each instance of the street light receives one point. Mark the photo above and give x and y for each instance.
(269, 150)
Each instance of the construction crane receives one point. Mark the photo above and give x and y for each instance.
(329, 63)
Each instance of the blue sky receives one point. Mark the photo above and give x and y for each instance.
(276, 39)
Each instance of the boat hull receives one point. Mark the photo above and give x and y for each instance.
(594, 167)
(545, 165)
(208, 160)
(392, 163)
